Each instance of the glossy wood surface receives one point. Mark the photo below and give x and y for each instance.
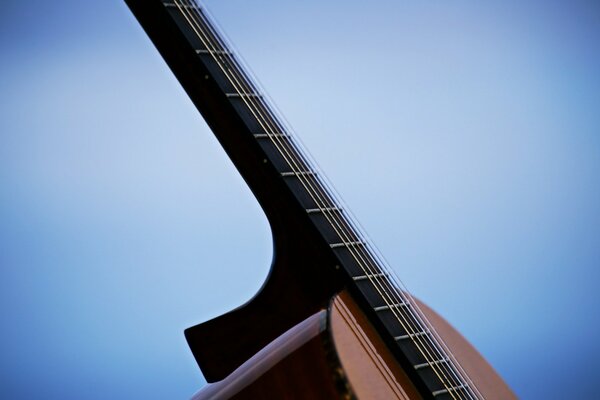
(373, 372)
(337, 354)
(300, 364)
(370, 368)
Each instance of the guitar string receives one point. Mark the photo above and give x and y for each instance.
(369, 256)
(249, 105)
(282, 131)
(249, 91)
(373, 252)
(253, 91)
(441, 342)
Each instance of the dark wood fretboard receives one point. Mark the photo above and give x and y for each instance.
(256, 138)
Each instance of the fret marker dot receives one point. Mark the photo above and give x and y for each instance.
(206, 77)
(264, 160)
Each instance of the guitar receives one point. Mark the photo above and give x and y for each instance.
(332, 320)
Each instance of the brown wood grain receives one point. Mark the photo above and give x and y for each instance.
(338, 354)
(300, 364)
(373, 372)
(369, 366)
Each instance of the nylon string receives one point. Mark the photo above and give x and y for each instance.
(347, 234)
(242, 93)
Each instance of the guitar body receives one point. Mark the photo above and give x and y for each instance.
(330, 321)
(337, 354)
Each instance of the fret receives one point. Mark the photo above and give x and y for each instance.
(271, 135)
(390, 306)
(323, 210)
(214, 52)
(448, 390)
(185, 6)
(217, 62)
(431, 363)
(297, 173)
(346, 244)
(240, 95)
(369, 276)
(411, 335)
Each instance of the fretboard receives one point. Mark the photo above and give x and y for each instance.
(395, 311)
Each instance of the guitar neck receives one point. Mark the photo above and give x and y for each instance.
(280, 174)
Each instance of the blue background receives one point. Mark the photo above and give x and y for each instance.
(464, 136)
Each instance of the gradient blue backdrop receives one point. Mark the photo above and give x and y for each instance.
(465, 137)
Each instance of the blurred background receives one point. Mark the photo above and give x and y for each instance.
(464, 136)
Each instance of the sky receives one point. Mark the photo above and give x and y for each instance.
(465, 137)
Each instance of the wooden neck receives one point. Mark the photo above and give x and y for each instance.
(281, 175)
